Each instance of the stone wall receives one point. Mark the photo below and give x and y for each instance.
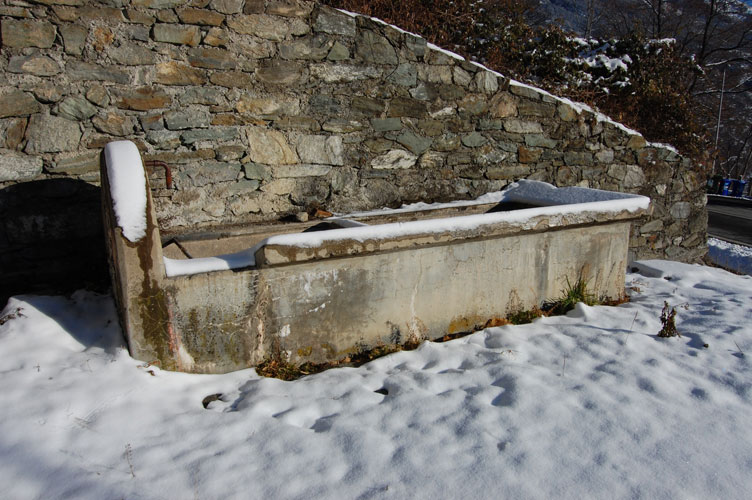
(265, 109)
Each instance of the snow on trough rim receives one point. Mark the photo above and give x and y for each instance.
(555, 202)
(127, 188)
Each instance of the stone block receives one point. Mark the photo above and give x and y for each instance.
(680, 210)
(18, 103)
(605, 156)
(229, 153)
(12, 132)
(280, 186)
(628, 176)
(403, 107)
(540, 141)
(508, 172)
(245, 205)
(565, 176)
(368, 106)
(84, 71)
(269, 147)
(261, 25)
(211, 58)
(76, 164)
(158, 4)
(51, 134)
(461, 77)
(295, 171)
(394, 159)
(151, 122)
(320, 149)
(379, 145)
(114, 124)
(214, 134)
(489, 156)
(217, 37)
(257, 172)
(175, 73)
(652, 226)
(231, 79)
(473, 140)
(525, 91)
(74, 38)
(386, 124)
(297, 123)
(343, 73)
(102, 38)
(435, 74)
(289, 8)
(36, 65)
(430, 128)
(522, 127)
(335, 23)
(47, 92)
(447, 143)
(190, 118)
(202, 17)
(139, 17)
(472, 105)
(578, 158)
(375, 49)
(268, 106)
(142, 98)
(242, 186)
(213, 172)
(406, 75)
(636, 142)
(19, 167)
(19, 12)
(535, 108)
(132, 55)
(314, 48)
(416, 46)
(280, 73)
(462, 158)
(76, 108)
(342, 126)
(415, 143)
(176, 34)
(487, 82)
(503, 105)
(431, 159)
(26, 33)
(227, 6)
(338, 52)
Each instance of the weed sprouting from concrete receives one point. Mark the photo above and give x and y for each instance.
(571, 295)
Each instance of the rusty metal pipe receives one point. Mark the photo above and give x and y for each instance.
(168, 171)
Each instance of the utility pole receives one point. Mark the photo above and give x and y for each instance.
(718, 126)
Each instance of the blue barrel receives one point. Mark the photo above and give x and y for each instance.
(739, 188)
(725, 187)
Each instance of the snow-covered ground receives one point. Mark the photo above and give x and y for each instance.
(588, 405)
(730, 256)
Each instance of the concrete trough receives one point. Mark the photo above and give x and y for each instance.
(213, 302)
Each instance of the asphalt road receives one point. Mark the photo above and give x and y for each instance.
(730, 222)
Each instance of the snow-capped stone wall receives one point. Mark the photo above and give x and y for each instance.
(265, 109)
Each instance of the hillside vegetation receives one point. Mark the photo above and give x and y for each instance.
(654, 70)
